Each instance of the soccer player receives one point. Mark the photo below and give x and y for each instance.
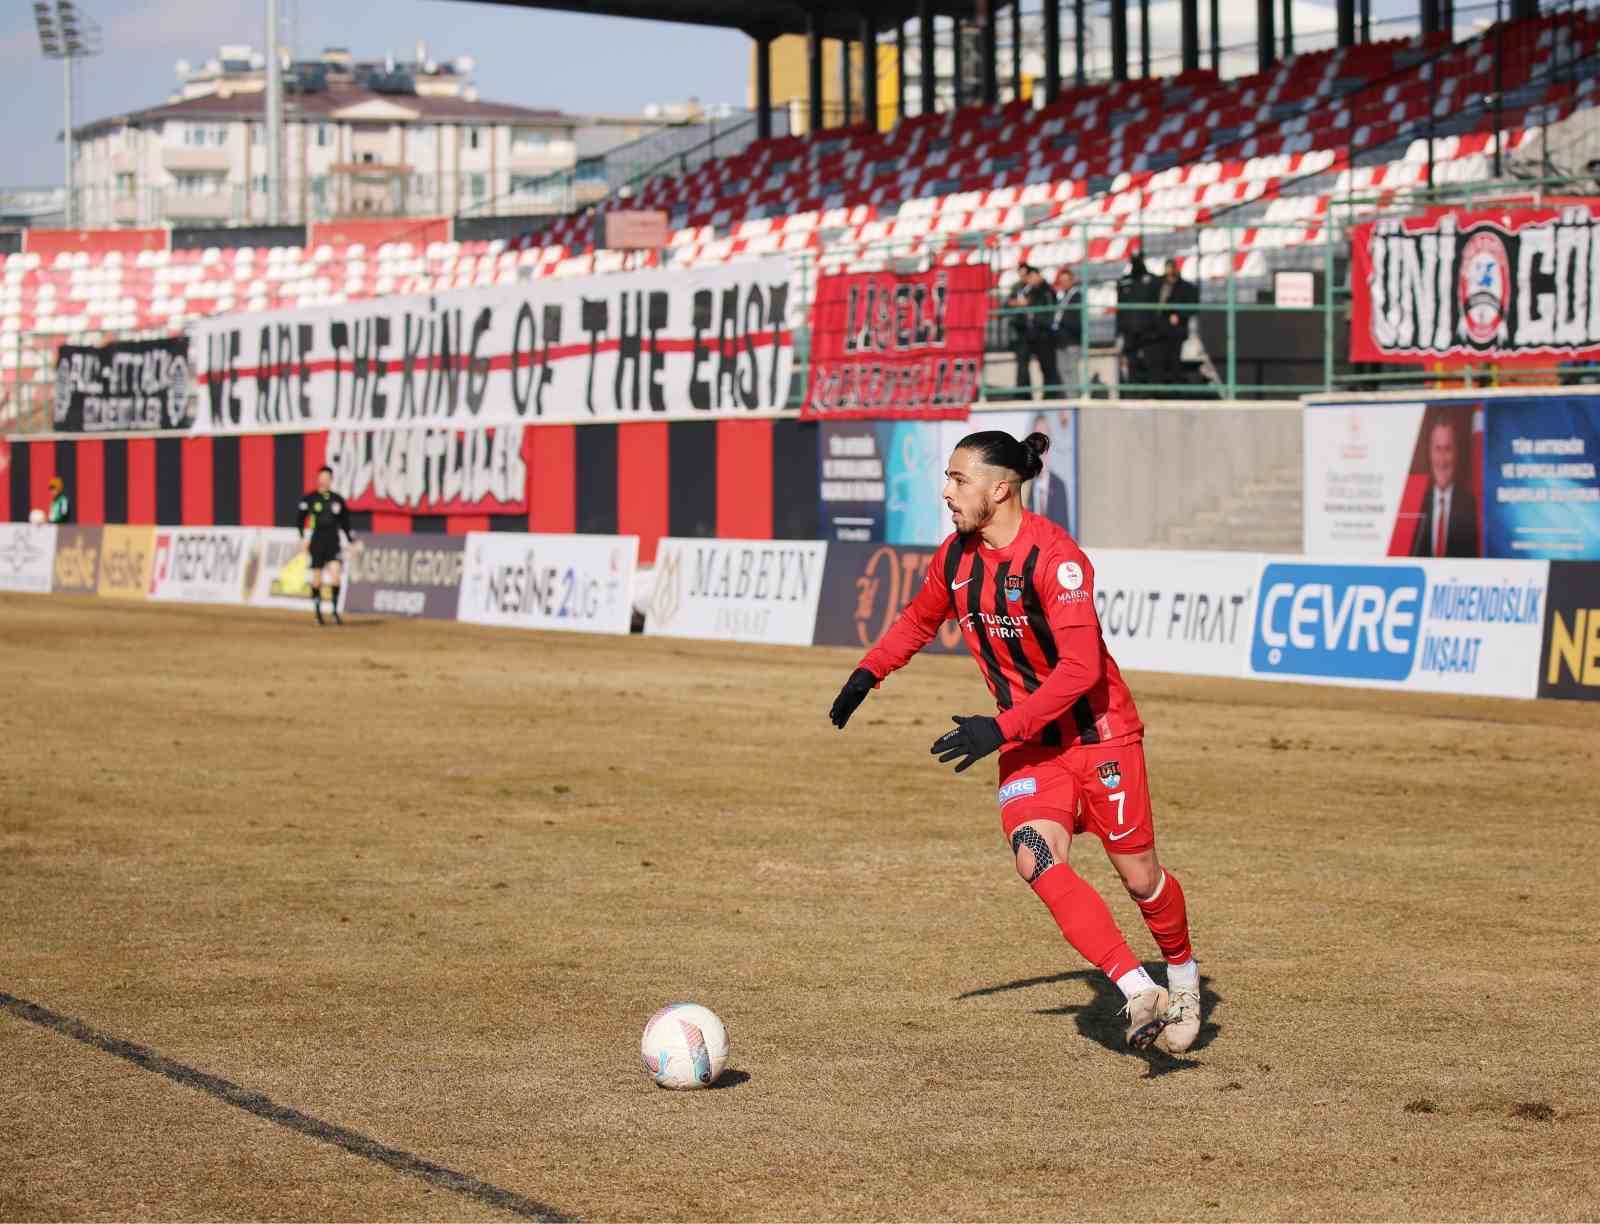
(1068, 734)
(322, 517)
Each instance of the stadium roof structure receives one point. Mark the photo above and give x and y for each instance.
(758, 18)
(863, 21)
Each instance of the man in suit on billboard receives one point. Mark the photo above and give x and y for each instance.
(1449, 523)
(1047, 494)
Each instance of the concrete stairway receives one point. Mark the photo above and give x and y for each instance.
(1261, 516)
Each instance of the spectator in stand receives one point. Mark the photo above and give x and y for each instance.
(1033, 332)
(1069, 330)
(1177, 299)
(1135, 289)
(60, 504)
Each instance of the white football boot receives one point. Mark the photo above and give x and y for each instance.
(1182, 1020)
(1147, 1017)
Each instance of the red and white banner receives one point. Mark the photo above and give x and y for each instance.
(1518, 285)
(701, 342)
(887, 345)
(431, 471)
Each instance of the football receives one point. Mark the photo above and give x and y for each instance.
(684, 1046)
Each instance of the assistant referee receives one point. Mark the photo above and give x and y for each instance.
(323, 515)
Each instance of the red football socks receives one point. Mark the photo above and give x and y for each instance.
(1168, 919)
(1084, 919)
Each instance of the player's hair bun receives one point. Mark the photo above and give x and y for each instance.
(1034, 446)
(1000, 449)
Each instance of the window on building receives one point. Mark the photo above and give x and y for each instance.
(199, 135)
(324, 135)
(124, 186)
(533, 187)
(258, 133)
(531, 139)
(193, 182)
(258, 184)
(472, 137)
(479, 186)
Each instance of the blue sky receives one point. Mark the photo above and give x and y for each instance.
(561, 60)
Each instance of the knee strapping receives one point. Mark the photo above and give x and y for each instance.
(1043, 860)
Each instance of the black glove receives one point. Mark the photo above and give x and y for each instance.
(973, 739)
(853, 693)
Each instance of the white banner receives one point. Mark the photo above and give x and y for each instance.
(202, 564)
(706, 341)
(26, 556)
(1443, 626)
(1177, 611)
(574, 582)
(1358, 460)
(737, 590)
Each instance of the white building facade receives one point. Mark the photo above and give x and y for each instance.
(357, 142)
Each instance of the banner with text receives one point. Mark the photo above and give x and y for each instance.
(27, 553)
(126, 554)
(431, 471)
(1508, 285)
(881, 480)
(201, 564)
(130, 385)
(889, 344)
(278, 571)
(406, 575)
(582, 583)
(1184, 612)
(737, 590)
(711, 341)
(1511, 476)
(1542, 486)
(1569, 665)
(76, 570)
(1444, 626)
(864, 587)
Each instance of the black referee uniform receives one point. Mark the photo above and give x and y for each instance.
(324, 516)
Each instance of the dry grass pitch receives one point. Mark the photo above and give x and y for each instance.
(426, 882)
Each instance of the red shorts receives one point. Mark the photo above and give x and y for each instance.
(1098, 788)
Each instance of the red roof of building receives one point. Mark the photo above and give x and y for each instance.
(326, 103)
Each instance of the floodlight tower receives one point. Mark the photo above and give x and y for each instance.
(67, 34)
(274, 118)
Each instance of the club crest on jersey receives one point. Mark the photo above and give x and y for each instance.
(1013, 587)
(1110, 774)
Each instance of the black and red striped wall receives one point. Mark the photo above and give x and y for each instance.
(735, 479)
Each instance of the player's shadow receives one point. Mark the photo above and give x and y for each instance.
(1100, 1018)
(729, 1078)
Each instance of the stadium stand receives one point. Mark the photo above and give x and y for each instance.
(1272, 153)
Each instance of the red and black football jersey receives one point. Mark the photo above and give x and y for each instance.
(1028, 617)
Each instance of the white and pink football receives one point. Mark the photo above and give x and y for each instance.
(684, 1046)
